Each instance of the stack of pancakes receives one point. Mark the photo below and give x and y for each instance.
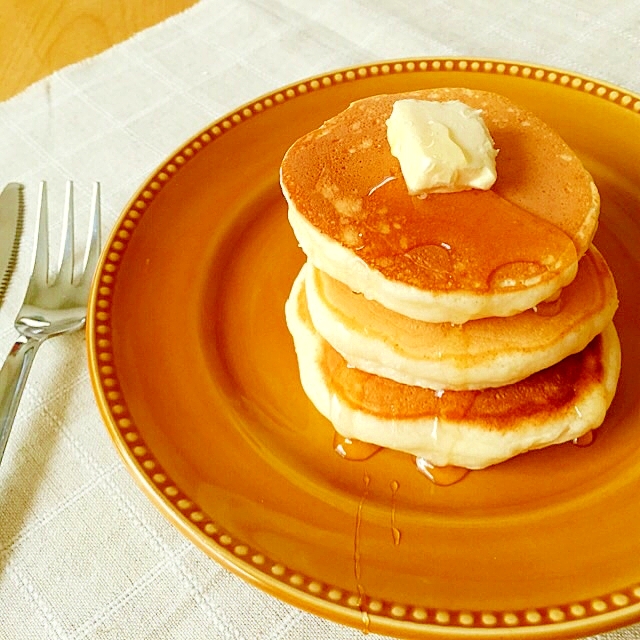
(463, 328)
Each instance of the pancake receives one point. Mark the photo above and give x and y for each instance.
(470, 429)
(482, 353)
(445, 257)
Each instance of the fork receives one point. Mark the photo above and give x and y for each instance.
(54, 304)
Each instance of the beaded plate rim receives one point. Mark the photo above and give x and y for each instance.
(601, 612)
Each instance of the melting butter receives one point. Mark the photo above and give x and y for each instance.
(441, 146)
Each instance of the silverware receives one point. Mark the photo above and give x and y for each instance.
(11, 208)
(53, 305)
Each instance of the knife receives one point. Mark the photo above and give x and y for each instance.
(11, 214)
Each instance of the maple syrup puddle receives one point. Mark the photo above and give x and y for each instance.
(585, 440)
(441, 476)
(549, 308)
(352, 449)
(356, 450)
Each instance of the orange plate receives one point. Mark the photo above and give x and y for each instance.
(196, 378)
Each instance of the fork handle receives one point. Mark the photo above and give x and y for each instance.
(13, 377)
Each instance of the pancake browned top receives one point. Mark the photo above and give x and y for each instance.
(537, 397)
(536, 221)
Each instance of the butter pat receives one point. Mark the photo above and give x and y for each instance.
(441, 146)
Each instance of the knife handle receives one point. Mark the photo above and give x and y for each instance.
(13, 377)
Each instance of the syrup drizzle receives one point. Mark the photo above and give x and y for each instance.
(585, 440)
(352, 449)
(357, 450)
(548, 308)
(441, 476)
(357, 565)
(395, 532)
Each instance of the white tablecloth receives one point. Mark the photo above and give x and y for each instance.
(83, 553)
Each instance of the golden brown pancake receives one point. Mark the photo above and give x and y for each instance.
(472, 429)
(444, 257)
(488, 352)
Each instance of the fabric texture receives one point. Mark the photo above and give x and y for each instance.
(83, 553)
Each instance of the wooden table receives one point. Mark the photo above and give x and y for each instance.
(39, 36)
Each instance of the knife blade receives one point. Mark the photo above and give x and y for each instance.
(11, 218)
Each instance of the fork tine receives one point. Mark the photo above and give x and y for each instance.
(41, 254)
(48, 309)
(92, 250)
(66, 262)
